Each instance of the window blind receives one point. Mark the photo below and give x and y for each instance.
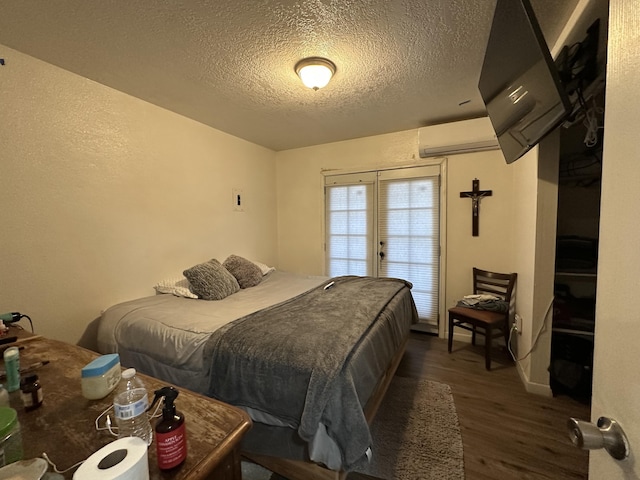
(349, 225)
(409, 234)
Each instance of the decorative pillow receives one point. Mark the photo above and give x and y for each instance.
(247, 273)
(264, 268)
(178, 286)
(211, 281)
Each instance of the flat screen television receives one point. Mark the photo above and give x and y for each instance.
(519, 81)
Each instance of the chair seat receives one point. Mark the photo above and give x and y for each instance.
(485, 316)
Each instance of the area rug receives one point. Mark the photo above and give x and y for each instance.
(416, 435)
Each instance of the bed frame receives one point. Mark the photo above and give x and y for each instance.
(301, 470)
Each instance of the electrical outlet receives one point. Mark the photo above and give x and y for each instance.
(518, 324)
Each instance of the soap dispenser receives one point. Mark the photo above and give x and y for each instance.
(171, 435)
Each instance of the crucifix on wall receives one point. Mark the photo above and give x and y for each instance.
(475, 195)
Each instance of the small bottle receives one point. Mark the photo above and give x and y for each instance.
(171, 434)
(4, 396)
(31, 392)
(12, 367)
(130, 406)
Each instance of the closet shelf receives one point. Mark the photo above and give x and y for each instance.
(571, 331)
(577, 274)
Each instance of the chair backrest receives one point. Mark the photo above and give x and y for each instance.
(498, 284)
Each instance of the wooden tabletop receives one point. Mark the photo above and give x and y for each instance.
(64, 426)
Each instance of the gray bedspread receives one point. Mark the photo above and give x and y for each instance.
(302, 346)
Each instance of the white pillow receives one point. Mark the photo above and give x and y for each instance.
(176, 286)
(264, 268)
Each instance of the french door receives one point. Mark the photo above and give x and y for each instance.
(387, 224)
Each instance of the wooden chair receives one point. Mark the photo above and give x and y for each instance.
(493, 324)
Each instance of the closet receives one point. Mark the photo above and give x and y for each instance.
(577, 256)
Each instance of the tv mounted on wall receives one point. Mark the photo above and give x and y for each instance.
(519, 82)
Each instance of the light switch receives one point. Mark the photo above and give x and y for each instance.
(238, 200)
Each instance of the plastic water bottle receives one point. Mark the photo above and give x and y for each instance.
(130, 406)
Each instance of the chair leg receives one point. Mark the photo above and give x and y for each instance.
(450, 332)
(487, 347)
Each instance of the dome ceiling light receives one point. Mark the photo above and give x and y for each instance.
(315, 72)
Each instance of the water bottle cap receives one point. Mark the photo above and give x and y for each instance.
(129, 373)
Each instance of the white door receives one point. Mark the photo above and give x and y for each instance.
(616, 384)
(387, 224)
(409, 234)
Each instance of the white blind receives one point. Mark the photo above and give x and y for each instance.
(409, 235)
(349, 225)
(387, 224)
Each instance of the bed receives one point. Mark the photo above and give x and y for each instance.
(309, 358)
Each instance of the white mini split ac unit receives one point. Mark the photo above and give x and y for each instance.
(466, 136)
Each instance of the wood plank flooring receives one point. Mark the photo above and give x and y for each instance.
(507, 433)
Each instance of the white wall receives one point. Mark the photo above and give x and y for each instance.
(103, 195)
(301, 202)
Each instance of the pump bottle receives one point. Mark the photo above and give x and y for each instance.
(171, 435)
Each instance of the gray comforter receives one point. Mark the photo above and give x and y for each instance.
(302, 345)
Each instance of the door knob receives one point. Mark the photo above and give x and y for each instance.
(607, 434)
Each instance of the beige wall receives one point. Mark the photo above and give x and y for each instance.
(103, 195)
(534, 224)
(492, 248)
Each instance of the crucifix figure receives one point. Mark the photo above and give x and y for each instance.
(475, 195)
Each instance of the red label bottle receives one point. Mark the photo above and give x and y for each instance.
(171, 445)
(171, 434)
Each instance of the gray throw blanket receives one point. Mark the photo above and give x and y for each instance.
(491, 305)
(288, 360)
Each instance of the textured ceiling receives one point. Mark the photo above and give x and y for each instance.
(229, 64)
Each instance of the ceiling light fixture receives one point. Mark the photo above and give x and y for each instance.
(315, 72)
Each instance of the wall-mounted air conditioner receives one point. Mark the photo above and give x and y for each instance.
(466, 136)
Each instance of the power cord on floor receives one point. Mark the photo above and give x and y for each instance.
(514, 328)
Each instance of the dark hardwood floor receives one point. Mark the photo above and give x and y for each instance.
(507, 433)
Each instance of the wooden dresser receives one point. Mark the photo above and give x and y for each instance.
(64, 426)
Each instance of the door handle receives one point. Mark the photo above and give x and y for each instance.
(607, 434)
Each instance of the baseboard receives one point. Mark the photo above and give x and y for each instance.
(425, 328)
(532, 387)
(465, 337)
